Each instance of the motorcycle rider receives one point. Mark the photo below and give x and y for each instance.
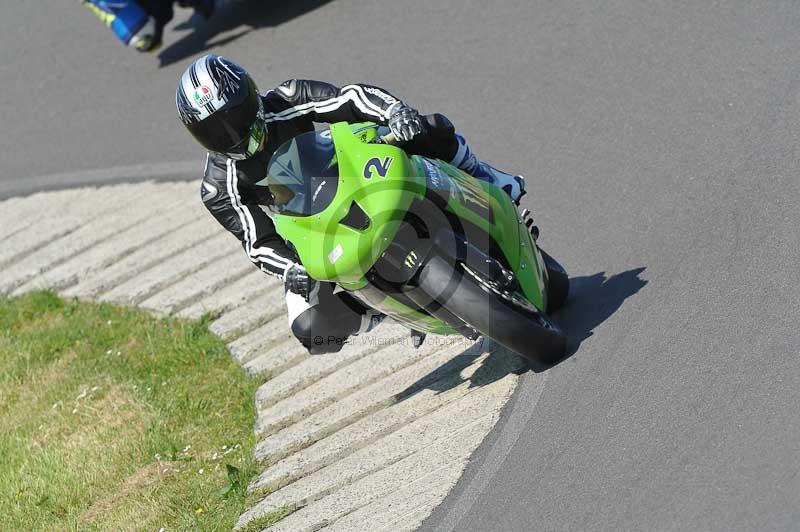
(140, 23)
(219, 104)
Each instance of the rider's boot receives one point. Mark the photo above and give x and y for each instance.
(148, 38)
(513, 185)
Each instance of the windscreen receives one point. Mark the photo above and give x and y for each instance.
(303, 175)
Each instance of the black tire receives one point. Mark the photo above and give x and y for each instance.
(558, 282)
(507, 318)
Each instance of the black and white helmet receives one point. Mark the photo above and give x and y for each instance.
(219, 104)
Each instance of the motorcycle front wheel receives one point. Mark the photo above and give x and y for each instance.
(557, 283)
(505, 316)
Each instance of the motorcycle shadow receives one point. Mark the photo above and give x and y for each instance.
(592, 300)
(242, 15)
(498, 363)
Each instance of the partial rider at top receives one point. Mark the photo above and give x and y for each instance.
(140, 23)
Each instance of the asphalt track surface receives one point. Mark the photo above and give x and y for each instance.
(660, 143)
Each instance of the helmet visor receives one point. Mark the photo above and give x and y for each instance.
(251, 144)
(228, 128)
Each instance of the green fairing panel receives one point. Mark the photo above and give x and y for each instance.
(321, 179)
(488, 207)
(520, 250)
(335, 252)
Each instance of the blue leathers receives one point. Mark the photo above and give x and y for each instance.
(125, 18)
(140, 23)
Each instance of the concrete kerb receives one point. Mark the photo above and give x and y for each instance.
(355, 434)
(412, 469)
(165, 273)
(407, 440)
(403, 510)
(24, 240)
(375, 396)
(68, 272)
(272, 360)
(177, 241)
(87, 235)
(27, 213)
(244, 319)
(198, 284)
(381, 362)
(316, 368)
(247, 347)
(383, 422)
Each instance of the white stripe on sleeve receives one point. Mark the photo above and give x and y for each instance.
(261, 254)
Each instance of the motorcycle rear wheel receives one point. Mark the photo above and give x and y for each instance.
(504, 316)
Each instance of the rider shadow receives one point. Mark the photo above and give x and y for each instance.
(593, 299)
(249, 15)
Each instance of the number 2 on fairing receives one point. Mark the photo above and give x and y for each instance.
(378, 165)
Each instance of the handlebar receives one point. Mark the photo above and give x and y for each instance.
(388, 138)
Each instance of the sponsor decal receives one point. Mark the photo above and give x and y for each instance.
(203, 95)
(436, 177)
(411, 260)
(432, 171)
(472, 195)
(388, 98)
(336, 254)
(381, 167)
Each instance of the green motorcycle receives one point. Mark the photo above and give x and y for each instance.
(416, 238)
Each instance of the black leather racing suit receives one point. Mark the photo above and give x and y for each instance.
(229, 190)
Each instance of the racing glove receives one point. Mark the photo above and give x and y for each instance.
(297, 280)
(405, 122)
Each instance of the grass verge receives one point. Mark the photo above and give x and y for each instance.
(111, 419)
(260, 523)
